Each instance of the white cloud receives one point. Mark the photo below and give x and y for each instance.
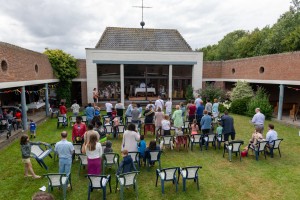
(75, 25)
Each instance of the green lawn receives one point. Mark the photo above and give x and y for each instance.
(276, 178)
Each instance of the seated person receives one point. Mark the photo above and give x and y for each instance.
(142, 146)
(108, 147)
(256, 137)
(152, 147)
(100, 131)
(271, 135)
(194, 127)
(142, 85)
(127, 164)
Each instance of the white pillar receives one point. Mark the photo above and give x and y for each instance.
(92, 79)
(122, 83)
(170, 81)
(280, 103)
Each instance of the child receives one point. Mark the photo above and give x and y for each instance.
(113, 113)
(127, 164)
(32, 128)
(100, 131)
(142, 146)
(194, 127)
(219, 130)
(107, 122)
(116, 123)
(108, 146)
(26, 150)
(166, 125)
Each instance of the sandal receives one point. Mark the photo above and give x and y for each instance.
(36, 177)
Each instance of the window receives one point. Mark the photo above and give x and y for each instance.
(261, 70)
(36, 68)
(4, 66)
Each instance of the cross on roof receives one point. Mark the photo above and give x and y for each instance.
(142, 7)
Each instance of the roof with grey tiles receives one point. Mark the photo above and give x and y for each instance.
(137, 39)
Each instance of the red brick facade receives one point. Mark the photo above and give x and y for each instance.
(23, 64)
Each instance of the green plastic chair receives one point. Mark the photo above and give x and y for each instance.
(83, 162)
(167, 174)
(189, 173)
(126, 180)
(109, 160)
(98, 182)
(60, 181)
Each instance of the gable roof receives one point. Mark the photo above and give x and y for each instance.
(137, 39)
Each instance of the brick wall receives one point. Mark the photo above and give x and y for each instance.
(22, 63)
(81, 64)
(285, 66)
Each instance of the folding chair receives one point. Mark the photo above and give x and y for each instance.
(274, 145)
(233, 147)
(167, 174)
(128, 120)
(196, 139)
(108, 129)
(135, 155)
(126, 180)
(83, 162)
(72, 120)
(189, 173)
(121, 129)
(186, 127)
(60, 181)
(62, 120)
(261, 147)
(167, 140)
(210, 138)
(84, 119)
(77, 148)
(39, 154)
(98, 182)
(109, 160)
(154, 156)
(220, 140)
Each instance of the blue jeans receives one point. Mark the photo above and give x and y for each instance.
(65, 165)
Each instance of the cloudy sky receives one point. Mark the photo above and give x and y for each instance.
(73, 25)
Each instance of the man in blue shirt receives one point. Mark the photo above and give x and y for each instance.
(197, 101)
(258, 120)
(205, 123)
(271, 135)
(65, 150)
(228, 126)
(90, 113)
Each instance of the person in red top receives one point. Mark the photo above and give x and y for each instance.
(192, 111)
(19, 118)
(78, 130)
(63, 109)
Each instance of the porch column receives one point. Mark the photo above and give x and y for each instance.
(170, 81)
(122, 83)
(280, 103)
(23, 104)
(47, 99)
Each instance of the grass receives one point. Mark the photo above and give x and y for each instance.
(219, 179)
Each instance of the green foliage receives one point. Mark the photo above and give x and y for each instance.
(212, 92)
(189, 94)
(260, 100)
(241, 90)
(239, 106)
(283, 36)
(65, 69)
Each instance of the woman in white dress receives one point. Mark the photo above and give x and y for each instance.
(130, 139)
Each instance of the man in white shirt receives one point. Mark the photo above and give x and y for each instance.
(109, 107)
(150, 104)
(169, 107)
(75, 108)
(197, 101)
(258, 120)
(159, 103)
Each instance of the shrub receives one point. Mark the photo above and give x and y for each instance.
(241, 90)
(260, 100)
(212, 92)
(239, 106)
(189, 94)
(224, 106)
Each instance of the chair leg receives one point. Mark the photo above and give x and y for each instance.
(156, 179)
(162, 187)
(116, 184)
(89, 192)
(44, 165)
(197, 180)
(121, 192)
(176, 184)
(65, 191)
(109, 180)
(265, 154)
(104, 193)
(184, 184)
(278, 151)
(136, 191)
(256, 155)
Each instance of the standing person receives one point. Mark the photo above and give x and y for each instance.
(199, 112)
(258, 120)
(140, 108)
(228, 126)
(142, 146)
(26, 151)
(128, 111)
(169, 107)
(135, 113)
(116, 124)
(197, 101)
(150, 104)
(119, 108)
(32, 128)
(95, 96)
(159, 116)
(192, 111)
(159, 103)
(75, 108)
(63, 111)
(88, 133)
(90, 113)
(208, 107)
(130, 139)
(215, 108)
(78, 130)
(205, 123)
(93, 150)
(149, 115)
(108, 107)
(65, 150)
(177, 119)
(183, 109)
(166, 125)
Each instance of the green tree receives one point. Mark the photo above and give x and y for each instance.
(65, 69)
(189, 94)
(212, 92)
(241, 90)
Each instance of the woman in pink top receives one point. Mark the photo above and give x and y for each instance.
(159, 116)
(194, 127)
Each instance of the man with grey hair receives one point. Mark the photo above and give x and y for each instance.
(258, 120)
